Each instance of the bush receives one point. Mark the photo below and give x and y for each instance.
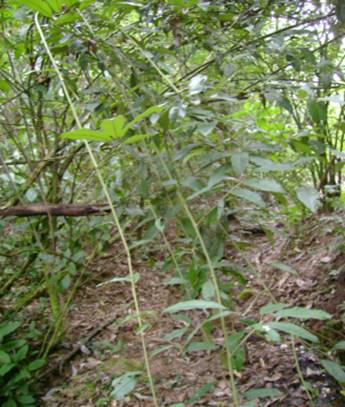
(16, 367)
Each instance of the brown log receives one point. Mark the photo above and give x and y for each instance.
(56, 210)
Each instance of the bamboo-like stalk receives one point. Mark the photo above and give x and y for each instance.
(112, 209)
(213, 275)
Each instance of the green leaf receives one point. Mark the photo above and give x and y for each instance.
(7, 328)
(249, 196)
(208, 290)
(218, 175)
(270, 308)
(138, 137)
(37, 5)
(123, 385)
(36, 364)
(317, 111)
(114, 128)
(4, 358)
(339, 346)
(309, 197)
(86, 134)
(176, 333)
(193, 304)
(334, 370)
(262, 393)
(268, 185)
(6, 368)
(21, 353)
(4, 85)
(267, 165)
(288, 328)
(303, 313)
(26, 400)
(200, 346)
(239, 162)
(10, 403)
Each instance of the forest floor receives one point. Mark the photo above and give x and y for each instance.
(315, 278)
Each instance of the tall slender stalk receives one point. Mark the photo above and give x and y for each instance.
(213, 275)
(112, 209)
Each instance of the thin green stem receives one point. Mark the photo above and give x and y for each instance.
(213, 275)
(113, 213)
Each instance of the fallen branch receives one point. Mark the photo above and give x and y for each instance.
(55, 210)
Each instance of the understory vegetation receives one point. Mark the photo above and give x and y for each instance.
(172, 203)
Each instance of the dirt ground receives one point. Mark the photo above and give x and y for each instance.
(102, 341)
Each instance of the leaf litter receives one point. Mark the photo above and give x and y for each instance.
(198, 378)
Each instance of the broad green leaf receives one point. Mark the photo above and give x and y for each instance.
(123, 385)
(339, 346)
(7, 328)
(206, 128)
(317, 111)
(309, 197)
(208, 290)
(193, 304)
(267, 165)
(26, 400)
(86, 134)
(218, 175)
(36, 364)
(55, 5)
(176, 333)
(40, 6)
(268, 185)
(272, 336)
(249, 196)
(335, 370)
(4, 358)
(200, 346)
(289, 328)
(262, 393)
(11, 402)
(4, 85)
(21, 353)
(114, 128)
(138, 137)
(303, 313)
(239, 162)
(6, 368)
(235, 339)
(270, 308)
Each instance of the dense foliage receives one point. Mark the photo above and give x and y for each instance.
(193, 111)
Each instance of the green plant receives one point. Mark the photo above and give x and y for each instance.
(17, 363)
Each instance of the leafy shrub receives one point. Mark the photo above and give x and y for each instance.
(16, 367)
